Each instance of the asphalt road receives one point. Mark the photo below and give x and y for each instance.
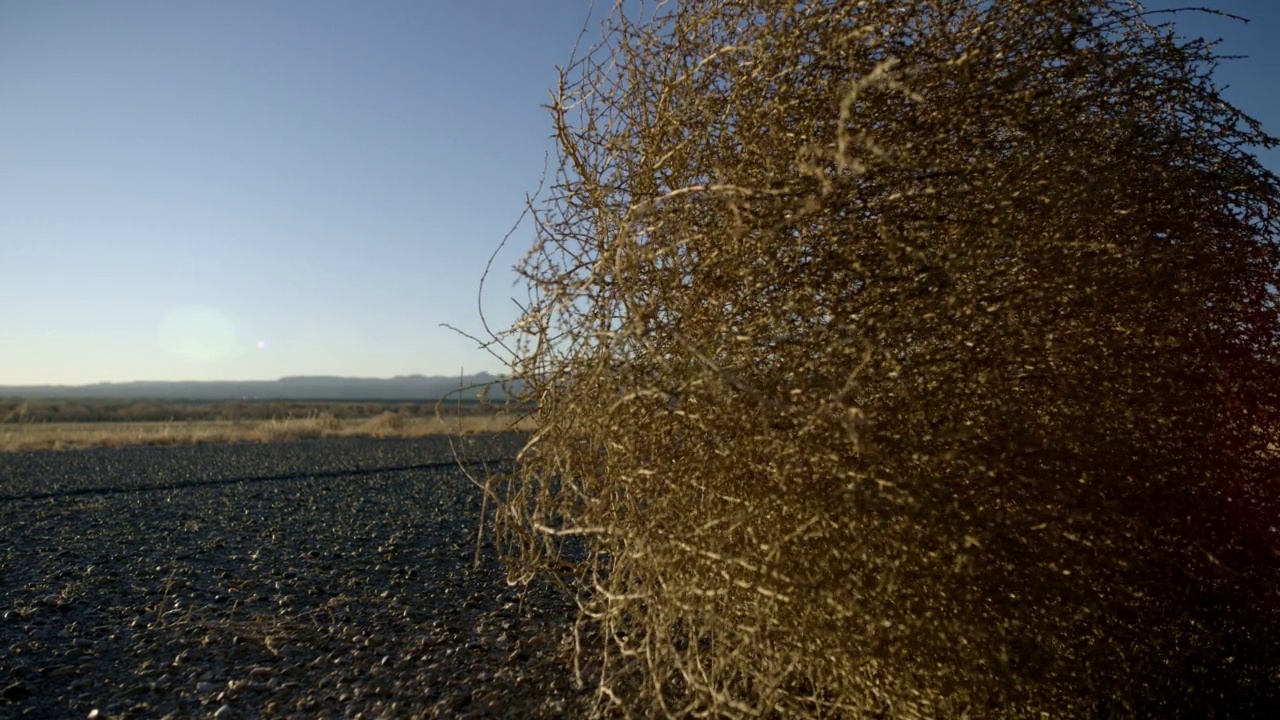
(330, 578)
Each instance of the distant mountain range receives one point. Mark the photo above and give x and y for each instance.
(402, 387)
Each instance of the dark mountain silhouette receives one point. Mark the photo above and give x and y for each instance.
(319, 387)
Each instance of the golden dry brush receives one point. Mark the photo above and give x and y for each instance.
(905, 359)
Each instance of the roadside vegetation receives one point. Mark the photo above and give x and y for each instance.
(69, 424)
(905, 359)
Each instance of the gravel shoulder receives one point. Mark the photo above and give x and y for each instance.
(307, 579)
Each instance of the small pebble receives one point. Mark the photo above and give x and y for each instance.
(222, 712)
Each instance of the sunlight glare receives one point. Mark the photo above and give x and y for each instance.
(197, 333)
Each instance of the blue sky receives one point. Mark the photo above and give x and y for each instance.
(247, 190)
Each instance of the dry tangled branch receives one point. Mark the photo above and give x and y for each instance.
(906, 359)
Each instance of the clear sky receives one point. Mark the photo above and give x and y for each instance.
(247, 190)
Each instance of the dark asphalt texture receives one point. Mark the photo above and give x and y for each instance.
(328, 578)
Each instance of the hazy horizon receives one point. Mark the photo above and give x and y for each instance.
(184, 381)
(243, 192)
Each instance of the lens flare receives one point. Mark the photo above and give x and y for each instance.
(197, 333)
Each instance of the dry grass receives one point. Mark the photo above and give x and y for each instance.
(902, 359)
(65, 436)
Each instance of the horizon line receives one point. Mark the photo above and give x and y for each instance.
(366, 378)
